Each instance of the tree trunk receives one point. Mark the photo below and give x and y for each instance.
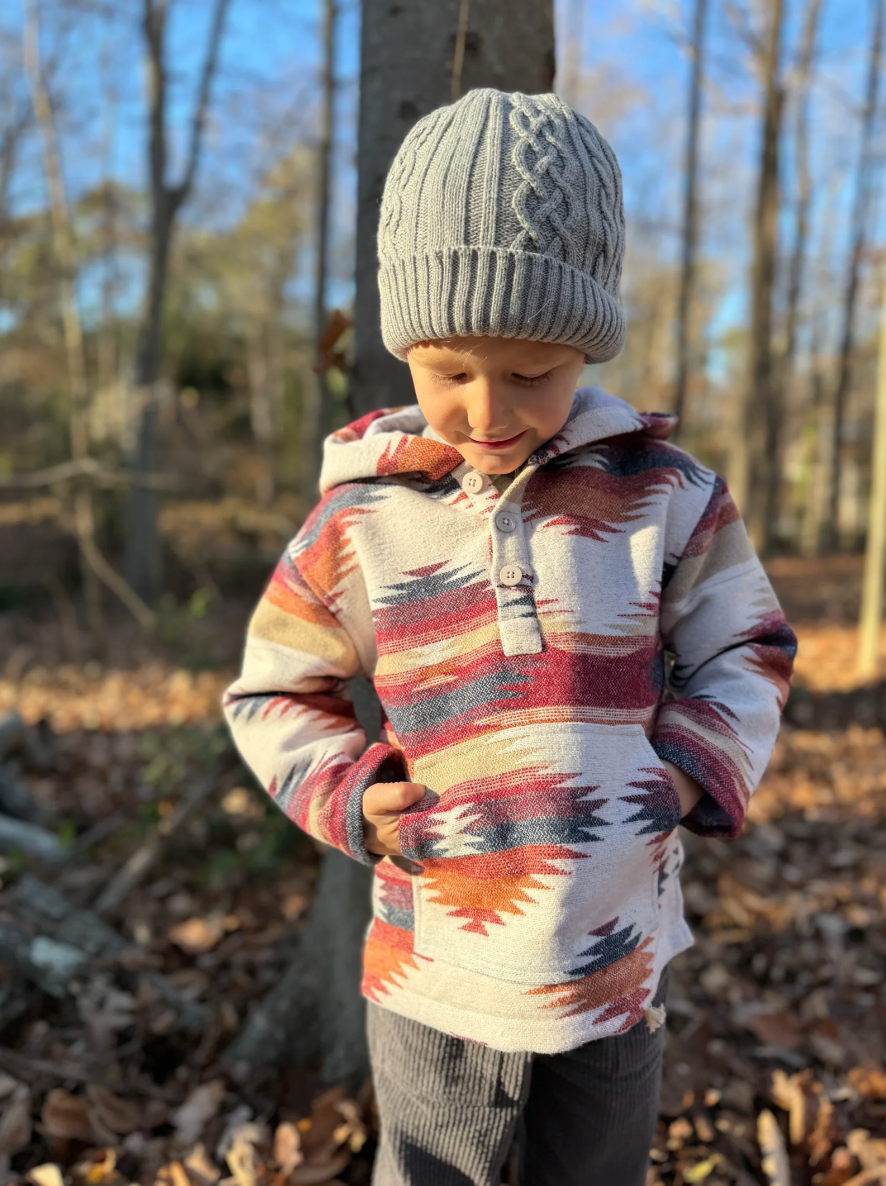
(407, 69)
(315, 390)
(261, 411)
(762, 405)
(408, 56)
(861, 212)
(143, 555)
(690, 210)
(871, 616)
(315, 1011)
(801, 227)
(573, 53)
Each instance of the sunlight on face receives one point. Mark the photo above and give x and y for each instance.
(490, 389)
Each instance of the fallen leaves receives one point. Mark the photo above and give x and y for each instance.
(197, 934)
(776, 1165)
(67, 1116)
(776, 1011)
(191, 1117)
(15, 1122)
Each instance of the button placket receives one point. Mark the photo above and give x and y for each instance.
(512, 578)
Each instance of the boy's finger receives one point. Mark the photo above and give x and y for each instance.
(382, 798)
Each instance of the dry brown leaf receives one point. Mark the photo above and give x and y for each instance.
(241, 1160)
(870, 1151)
(15, 1123)
(825, 1039)
(287, 1148)
(775, 1029)
(172, 1174)
(776, 1165)
(318, 1130)
(98, 1168)
(47, 1174)
(196, 935)
(869, 1081)
(67, 1116)
(200, 1168)
(119, 1115)
(191, 1117)
(318, 1173)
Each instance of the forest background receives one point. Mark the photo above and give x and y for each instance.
(186, 309)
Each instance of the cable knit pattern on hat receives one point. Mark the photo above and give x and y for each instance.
(502, 214)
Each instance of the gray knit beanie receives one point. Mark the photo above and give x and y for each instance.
(502, 215)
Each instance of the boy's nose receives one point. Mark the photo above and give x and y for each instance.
(488, 414)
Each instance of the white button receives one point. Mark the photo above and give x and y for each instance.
(473, 482)
(511, 574)
(505, 522)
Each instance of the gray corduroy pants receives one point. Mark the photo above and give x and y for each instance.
(450, 1110)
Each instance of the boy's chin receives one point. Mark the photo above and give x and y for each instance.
(493, 461)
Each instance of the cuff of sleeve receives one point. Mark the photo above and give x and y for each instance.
(709, 817)
(379, 763)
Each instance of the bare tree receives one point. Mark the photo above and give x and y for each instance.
(783, 372)
(871, 617)
(573, 52)
(315, 389)
(94, 566)
(861, 212)
(690, 207)
(143, 559)
(762, 410)
(408, 63)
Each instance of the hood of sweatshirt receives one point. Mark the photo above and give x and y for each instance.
(399, 440)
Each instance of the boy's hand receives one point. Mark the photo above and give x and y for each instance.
(383, 804)
(688, 789)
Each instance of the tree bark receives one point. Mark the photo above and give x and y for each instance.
(315, 390)
(690, 210)
(861, 212)
(408, 57)
(261, 411)
(143, 556)
(407, 69)
(315, 1011)
(871, 616)
(762, 407)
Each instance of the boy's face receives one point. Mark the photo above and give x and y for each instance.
(473, 390)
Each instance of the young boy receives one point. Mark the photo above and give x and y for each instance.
(508, 560)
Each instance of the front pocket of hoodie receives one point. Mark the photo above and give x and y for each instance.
(544, 842)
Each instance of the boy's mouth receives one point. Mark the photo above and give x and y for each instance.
(501, 444)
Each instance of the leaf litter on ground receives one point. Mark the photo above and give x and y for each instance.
(776, 1019)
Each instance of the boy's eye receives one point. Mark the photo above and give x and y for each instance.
(533, 380)
(448, 378)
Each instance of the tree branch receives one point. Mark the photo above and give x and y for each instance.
(181, 191)
(86, 467)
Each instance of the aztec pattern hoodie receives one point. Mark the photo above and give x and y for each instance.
(519, 642)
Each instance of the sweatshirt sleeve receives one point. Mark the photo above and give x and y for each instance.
(292, 717)
(734, 654)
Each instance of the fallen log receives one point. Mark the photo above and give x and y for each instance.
(17, 801)
(12, 733)
(72, 930)
(18, 836)
(45, 962)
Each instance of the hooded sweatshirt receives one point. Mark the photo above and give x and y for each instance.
(519, 639)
